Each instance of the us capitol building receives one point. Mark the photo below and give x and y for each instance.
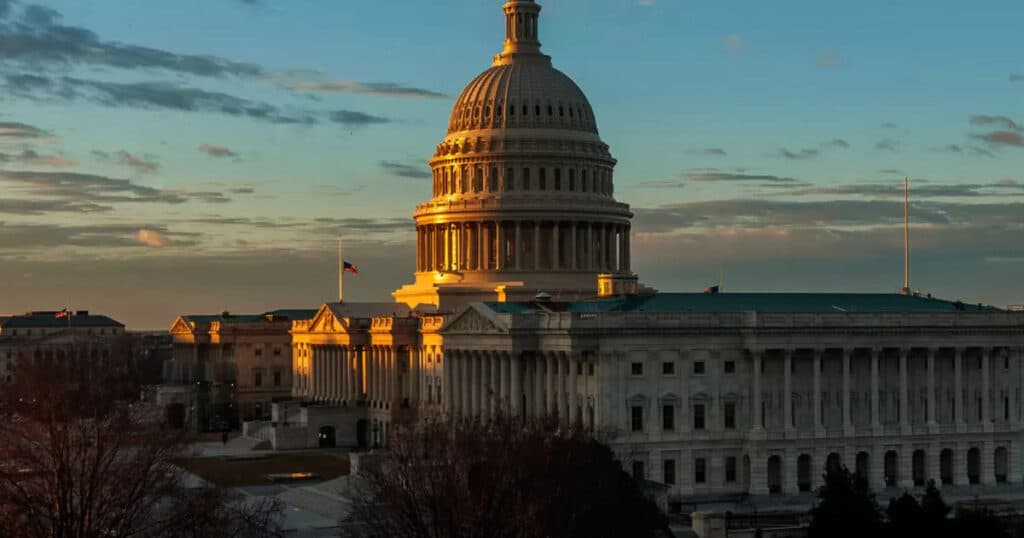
(524, 300)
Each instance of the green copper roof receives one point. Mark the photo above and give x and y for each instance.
(751, 302)
(283, 314)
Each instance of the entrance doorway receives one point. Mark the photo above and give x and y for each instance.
(361, 430)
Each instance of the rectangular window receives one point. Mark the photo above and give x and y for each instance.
(698, 367)
(526, 179)
(668, 417)
(698, 417)
(258, 381)
(277, 379)
(730, 469)
(277, 352)
(638, 470)
(590, 369)
(668, 368)
(637, 415)
(558, 179)
(542, 181)
(730, 415)
(259, 352)
(637, 368)
(669, 467)
(730, 367)
(700, 471)
(510, 179)
(579, 368)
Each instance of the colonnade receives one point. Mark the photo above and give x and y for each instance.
(958, 420)
(523, 245)
(536, 385)
(378, 375)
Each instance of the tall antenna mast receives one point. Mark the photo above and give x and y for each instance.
(906, 236)
(341, 274)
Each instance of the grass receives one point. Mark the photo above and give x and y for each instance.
(252, 472)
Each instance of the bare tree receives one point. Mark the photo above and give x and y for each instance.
(503, 479)
(80, 458)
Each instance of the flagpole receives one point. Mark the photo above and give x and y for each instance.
(341, 273)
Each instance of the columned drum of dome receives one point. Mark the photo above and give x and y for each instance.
(522, 191)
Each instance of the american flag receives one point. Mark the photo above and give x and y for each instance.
(350, 268)
(63, 314)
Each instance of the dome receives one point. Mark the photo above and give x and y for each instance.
(526, 94)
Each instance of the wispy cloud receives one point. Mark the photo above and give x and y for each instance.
(836, 143)
(143, 164)
(405, 170)
(151, 238)
(718, 176)
(356, 119)
(30, 157)
(97, 189)
(12, 131)
(715, 152)
(888, 144)
(1000, 121)
(384, 89)
(1016, 77)
(217, 151)
(1002, 138)
(797, 155)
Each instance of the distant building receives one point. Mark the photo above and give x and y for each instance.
(227, 368)
(56, 335)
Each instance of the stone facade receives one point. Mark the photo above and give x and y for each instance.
(45, 336)
(750, 402)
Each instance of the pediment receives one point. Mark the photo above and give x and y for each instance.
(326, 322)
(474, 320)
(180, 326)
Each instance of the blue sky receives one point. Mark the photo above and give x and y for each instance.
(163, 158)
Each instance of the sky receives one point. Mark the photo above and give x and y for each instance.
(197, 156)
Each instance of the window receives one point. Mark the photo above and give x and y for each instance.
(638, 470)
(698, 367)
(700, 471)
(669, 468)
(590, 369)
(730, 367)
(258, 381)
(730, 415)
(698, 417)
(492, 181)
(277, 352)
(668, 368)
(542, 181)
(558, 179)
(637, 368)
(259, 352)
(526, 179)
(730, 469)
(510, 179)
(668, 417)
(277, 379)
(637, 422)
(579, 368)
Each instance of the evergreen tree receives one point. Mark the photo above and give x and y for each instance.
(905, 515)
(847, 507)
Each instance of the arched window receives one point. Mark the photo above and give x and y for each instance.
(478, 180)
(464, 187)
(511, 109)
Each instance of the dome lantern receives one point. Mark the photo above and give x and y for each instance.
(522, 35)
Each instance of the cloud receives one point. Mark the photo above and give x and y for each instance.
(889, 125)
(1016, 77)
(828, 59)
(38, 41)
(1002, 138)
(12, 131)
(890, 171)
(799, 154)
(15, 206)
(242, 190)
(1001, 121)
(148, 95)
(143, 164)
(217, 151)
(716, 152)
(888, 144)
(385, 89)
(919, 190)
(151, 238)
(353, 118)
(405, 170)
(716, 176)
(836, 143)
(377, 225)
(30, 157)
(97, 189)
(963, 150)
(734, 43)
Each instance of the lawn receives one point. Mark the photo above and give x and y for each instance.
(253, 472)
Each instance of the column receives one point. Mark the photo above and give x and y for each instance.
(465, 385)
(604, 247)
(958, 394)
(495, 367)
(787, 395)
(758, 411)
(538, 385)
(318, 373)
(816, 397)
(505, 385)
(933, 422)
(574, 395)
(517, 250)
(574, 264)
(449, 383)
(556, 240)
(626, 248)
(415, 357)
(474, 380)
(588, 262)
(876, 424)
(479, 246)
(536, 245)
(528, 392)
(485, 239)
(904, 399)
(517, 385)
(986, 387)
(847, 413)
(335, 374)
(550, 367)
(499, 258)
(487, 388)
(394, 396)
